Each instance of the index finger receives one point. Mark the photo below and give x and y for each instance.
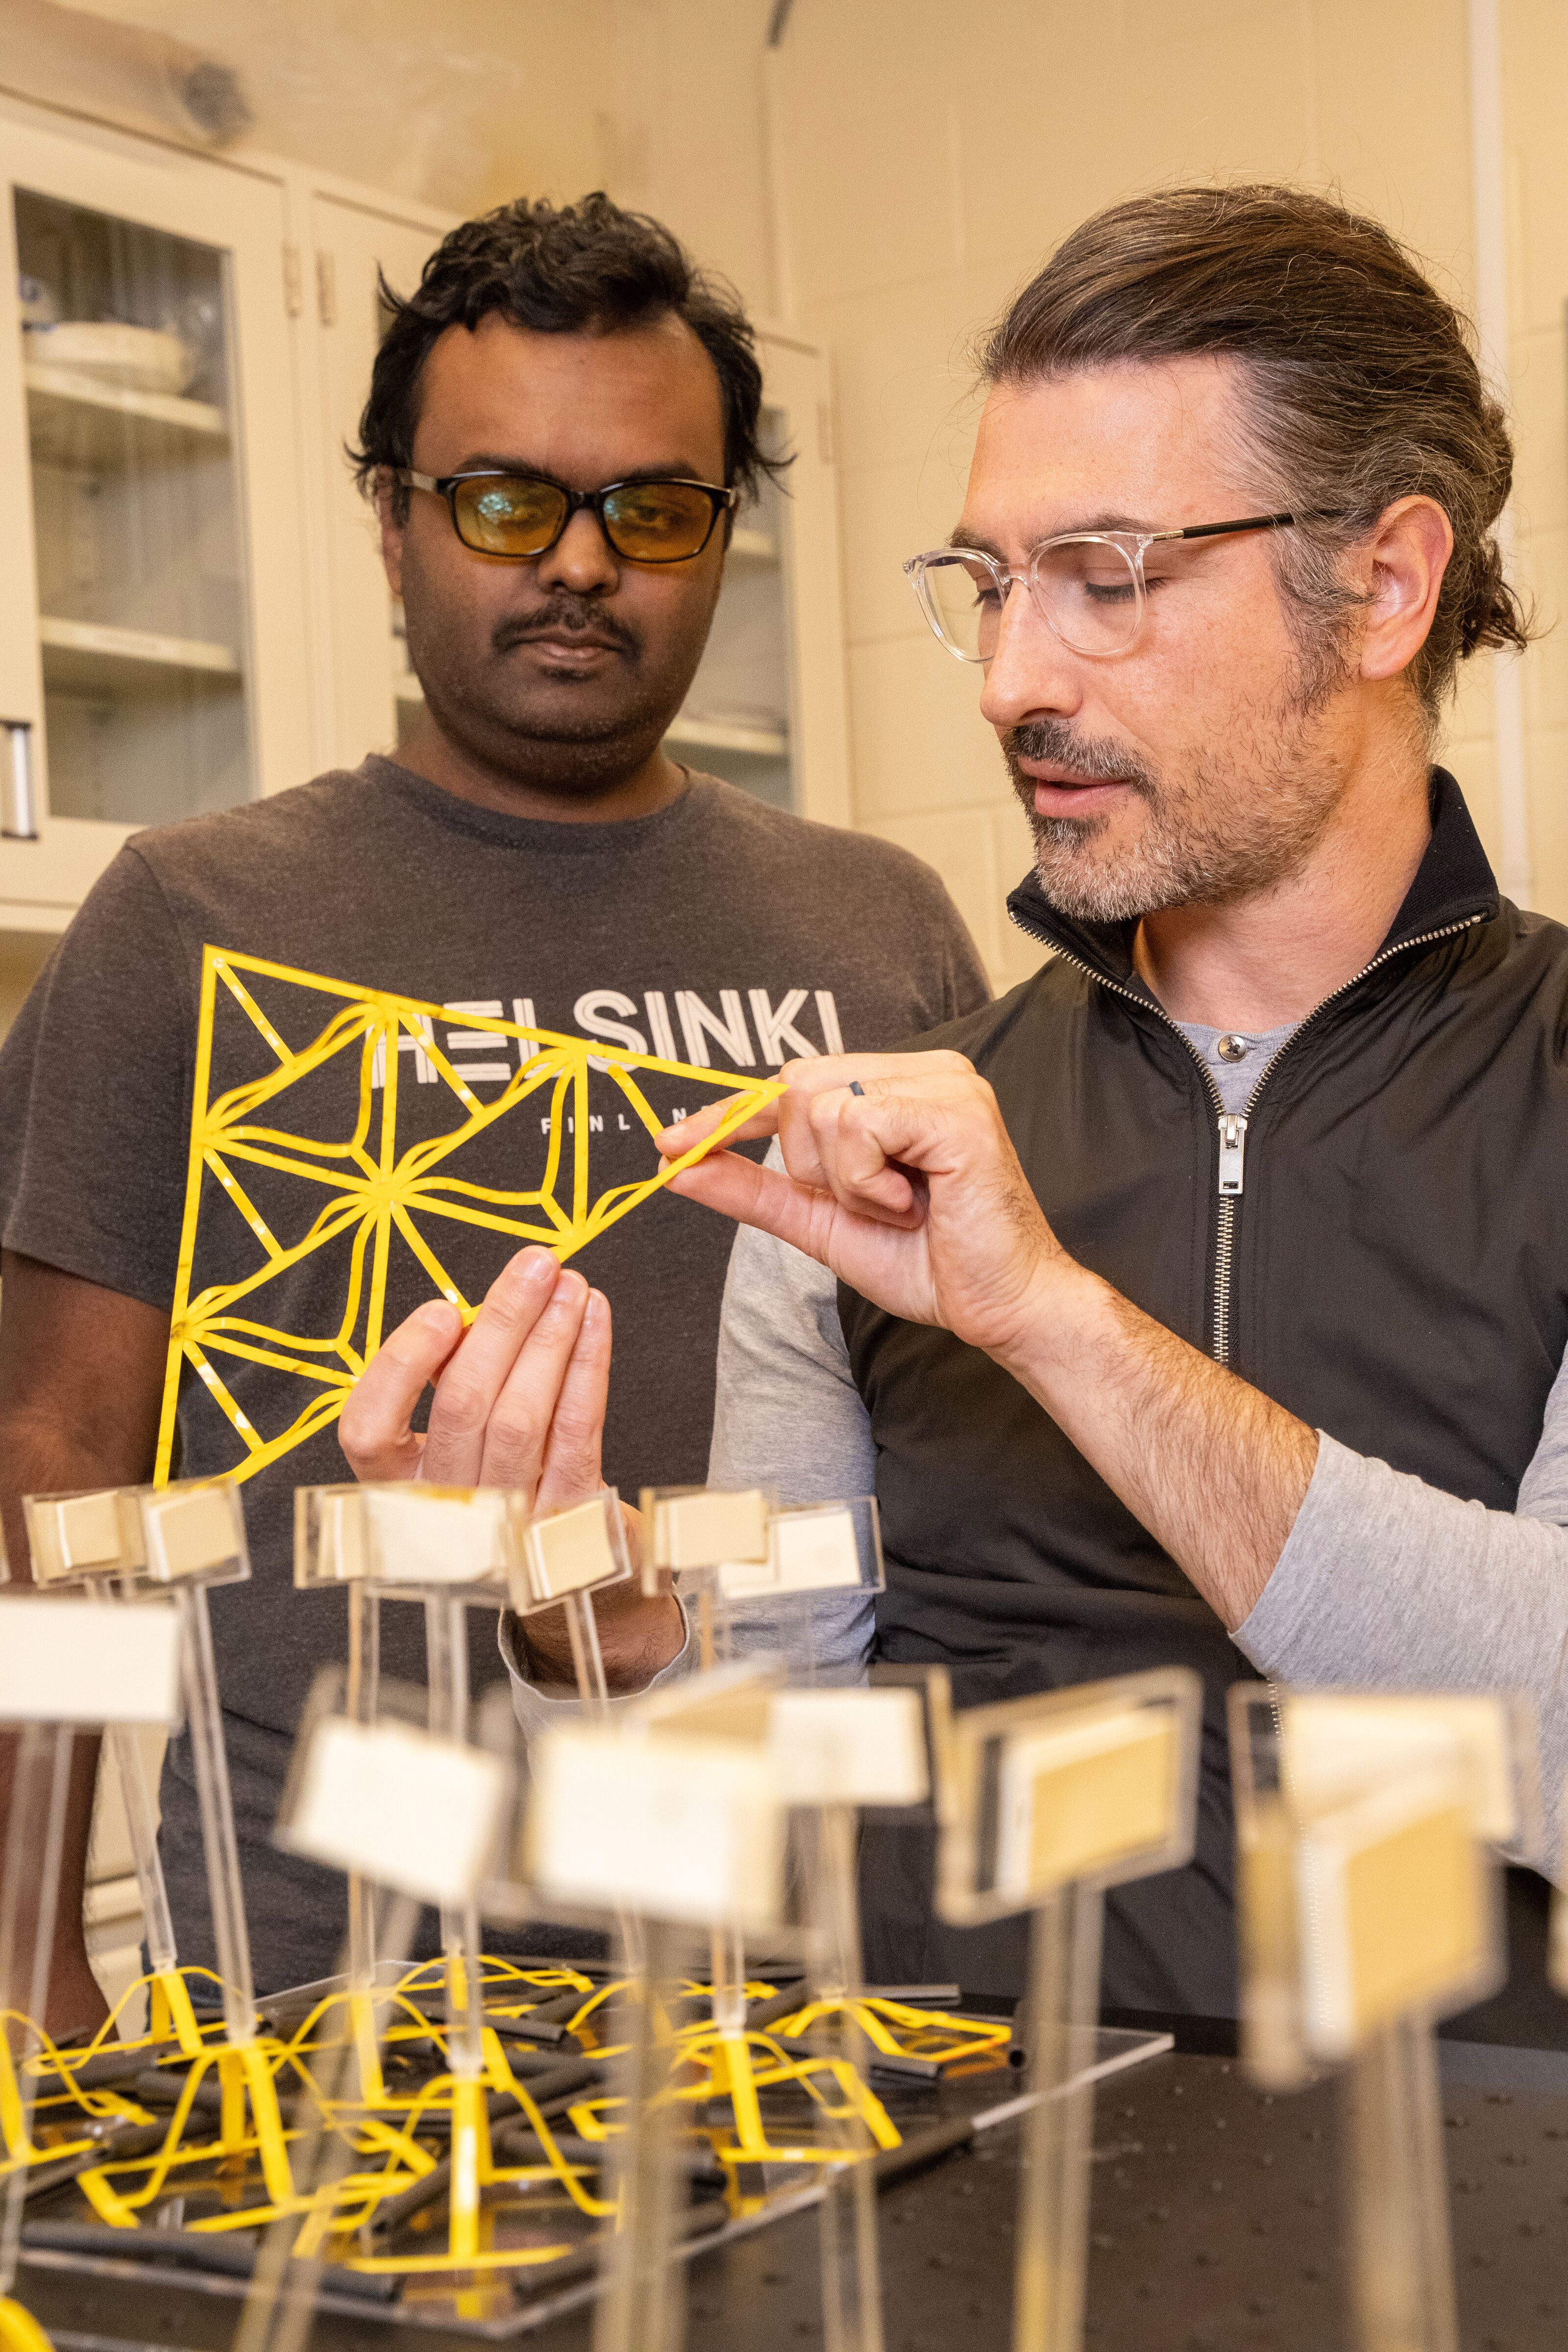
(803, 1080)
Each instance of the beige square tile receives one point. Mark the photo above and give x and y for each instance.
(919, 740)
(961, 845)
(888, 514)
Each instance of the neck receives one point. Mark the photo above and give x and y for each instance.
(1272, 957)
(649, 786)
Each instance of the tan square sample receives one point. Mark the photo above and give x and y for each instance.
(704, 1528)
(190, 1534)
(1082, 1798)
(78, 1535)
(570, 1551)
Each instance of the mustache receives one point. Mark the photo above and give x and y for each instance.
(564, 614)
(1094, 758)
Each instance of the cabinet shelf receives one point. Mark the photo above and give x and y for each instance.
(717, 735)
(406, 688)
(90, 656)
(73, 420)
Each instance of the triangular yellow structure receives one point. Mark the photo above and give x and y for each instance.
(374, 1188)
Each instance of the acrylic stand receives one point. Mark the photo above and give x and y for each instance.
(1053, 1799)
(33, 1843)
(687, 1832)
(179, 1539)
(94, 1543)
(1369, 1908)
(451, 1547)
(62, 1664)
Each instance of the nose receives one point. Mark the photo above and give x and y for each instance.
(1031, 672)
(582, 559)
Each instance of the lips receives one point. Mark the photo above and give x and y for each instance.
(551, 641)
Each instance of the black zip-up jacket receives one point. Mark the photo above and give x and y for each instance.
(1382, 1246)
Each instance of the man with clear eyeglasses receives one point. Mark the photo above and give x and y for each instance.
(1203, 1301)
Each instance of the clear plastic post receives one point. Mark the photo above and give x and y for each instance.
(850, 2247)
(1402, 2262)
(447, 1649)
(226, 1891)
(587, 1658)
(33, 1844)
(642, 2306)
(1370, 1908)
(1049, 1801)
(1053, 2193)
(364, 1683)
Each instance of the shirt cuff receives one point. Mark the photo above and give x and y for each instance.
(1289, 1617)
(537, 1704)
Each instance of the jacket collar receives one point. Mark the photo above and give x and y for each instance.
(1454, 884)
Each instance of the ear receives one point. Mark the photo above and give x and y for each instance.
(385, 492)
(1403, 566)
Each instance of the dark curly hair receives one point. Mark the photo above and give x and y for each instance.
(1365, 385)
(563, 269)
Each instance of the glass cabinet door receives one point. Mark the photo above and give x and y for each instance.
(139, 542)
(736, 720)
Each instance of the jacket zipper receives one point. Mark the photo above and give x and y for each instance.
(1233, 1143)
(1233, 1125)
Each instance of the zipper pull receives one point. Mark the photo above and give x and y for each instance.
(1232, 1150)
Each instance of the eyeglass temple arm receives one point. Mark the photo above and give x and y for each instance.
(1254, 522)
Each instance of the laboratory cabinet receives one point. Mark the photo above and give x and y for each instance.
(193, 609)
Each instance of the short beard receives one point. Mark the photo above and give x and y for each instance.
(1241, 821)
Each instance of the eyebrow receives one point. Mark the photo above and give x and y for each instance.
(486, 462)
(1105, 522)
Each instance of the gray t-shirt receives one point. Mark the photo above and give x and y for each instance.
(719, 931)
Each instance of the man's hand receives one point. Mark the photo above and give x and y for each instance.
(903, 1180)
(519, 1401)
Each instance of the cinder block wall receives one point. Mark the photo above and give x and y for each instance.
(931, 156)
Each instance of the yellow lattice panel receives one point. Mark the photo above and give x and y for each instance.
(371, 1185)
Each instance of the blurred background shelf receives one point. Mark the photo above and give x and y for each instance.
(76, 420)
(91, 656)
(717, 735)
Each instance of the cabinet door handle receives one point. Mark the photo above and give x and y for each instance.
(18, 807)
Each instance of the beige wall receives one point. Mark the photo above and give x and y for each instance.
(1534, 78)
(888, 175)
(931, 156)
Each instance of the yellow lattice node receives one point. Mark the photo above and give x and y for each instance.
(373, 1187)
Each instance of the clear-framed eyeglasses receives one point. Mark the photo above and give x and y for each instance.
(1088, 586)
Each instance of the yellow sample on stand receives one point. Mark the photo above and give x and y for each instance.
(373, 1187)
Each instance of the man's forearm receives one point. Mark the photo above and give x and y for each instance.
(1214, 1469)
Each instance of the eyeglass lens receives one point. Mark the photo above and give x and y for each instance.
(1085, 589)
(648, 522)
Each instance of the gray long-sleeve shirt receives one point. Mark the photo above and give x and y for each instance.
(1383, 1582)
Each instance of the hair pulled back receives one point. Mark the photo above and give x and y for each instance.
(1363, 379)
